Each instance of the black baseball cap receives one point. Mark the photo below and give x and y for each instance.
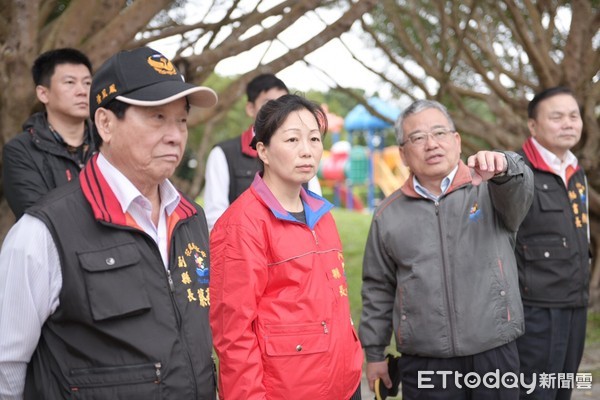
(144, 77)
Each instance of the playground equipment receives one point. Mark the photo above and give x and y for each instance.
(389, 170)
(384, 167)
(346, 166)
(343, 166)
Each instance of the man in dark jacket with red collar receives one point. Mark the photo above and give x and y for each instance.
(104, 282)
(553, 246)
(55, 144)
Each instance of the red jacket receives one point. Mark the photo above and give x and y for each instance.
(279, 302)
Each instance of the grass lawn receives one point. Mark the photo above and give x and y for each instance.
(353, 228)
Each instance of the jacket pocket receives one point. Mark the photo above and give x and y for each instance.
(546, 250)
(124, 382)
(115, 282)
(547, 270)
(297, 339)
(549, 197)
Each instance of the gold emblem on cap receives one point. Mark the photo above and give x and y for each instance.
(163, 66)
(112, 88)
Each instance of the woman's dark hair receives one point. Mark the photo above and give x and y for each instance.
(274, 113)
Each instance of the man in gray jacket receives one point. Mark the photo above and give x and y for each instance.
(439, 267)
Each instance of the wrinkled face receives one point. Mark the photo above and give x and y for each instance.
(67, 96)
(435, 157)
(558, 124)
(253, 108)
(294, 152)
(148, 143)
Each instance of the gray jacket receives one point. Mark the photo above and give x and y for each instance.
(443, 274)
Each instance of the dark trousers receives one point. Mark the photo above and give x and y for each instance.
(356, 395)
(552, 344)
(436, 383)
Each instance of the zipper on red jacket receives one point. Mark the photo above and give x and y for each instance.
(315, 236)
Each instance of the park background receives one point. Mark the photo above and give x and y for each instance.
(483, 59)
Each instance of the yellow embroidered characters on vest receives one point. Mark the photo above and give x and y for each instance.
(193, 255)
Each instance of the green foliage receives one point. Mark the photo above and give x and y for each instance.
(234, 122)
(353, 228)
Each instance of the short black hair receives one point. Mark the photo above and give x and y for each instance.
(115, 106)
(274, 113)
(44, 66)
(263, 83)
(532, 108)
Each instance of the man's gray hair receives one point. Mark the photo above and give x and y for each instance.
(417, 107)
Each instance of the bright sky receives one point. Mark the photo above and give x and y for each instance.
(333, 58)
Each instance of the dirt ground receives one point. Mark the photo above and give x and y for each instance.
(590, 363)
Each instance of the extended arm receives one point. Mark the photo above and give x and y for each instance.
(512, 193)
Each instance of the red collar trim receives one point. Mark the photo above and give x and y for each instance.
(103, 201)
(534, 156)
(246, 138)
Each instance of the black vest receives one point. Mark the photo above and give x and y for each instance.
(552, 248)
(242, 167)
(125, 328)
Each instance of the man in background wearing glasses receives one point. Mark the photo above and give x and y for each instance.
(439, 266)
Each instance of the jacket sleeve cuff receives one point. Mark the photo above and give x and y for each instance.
(375, 353)
(512, 168)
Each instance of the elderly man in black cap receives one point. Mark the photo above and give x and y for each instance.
(104, 283)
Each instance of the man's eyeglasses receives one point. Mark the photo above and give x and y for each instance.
(438, 134)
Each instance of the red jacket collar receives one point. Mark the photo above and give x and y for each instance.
(246, 138)
(103, 201)
(537, 161)
(534, 156)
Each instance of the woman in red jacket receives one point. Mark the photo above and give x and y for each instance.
(279, 299)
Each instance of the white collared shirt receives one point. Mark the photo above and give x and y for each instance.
(31, 277)
(423, 192)
(558, 166)
(139, 207)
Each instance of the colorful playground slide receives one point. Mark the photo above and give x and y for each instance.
(349, 164)
(389, 171)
